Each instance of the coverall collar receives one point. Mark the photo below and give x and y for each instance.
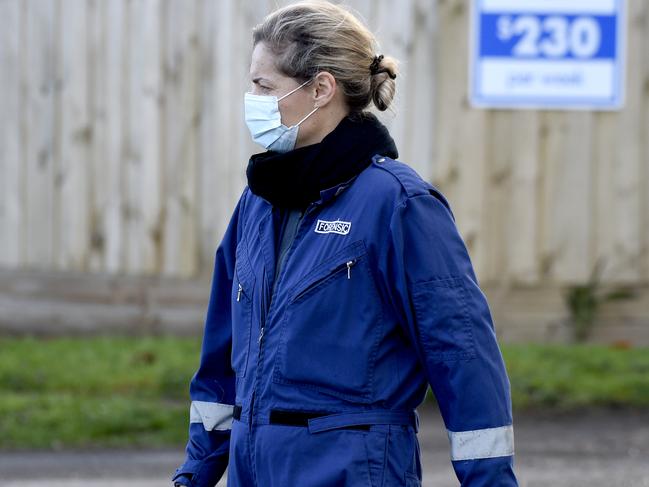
(310, 174)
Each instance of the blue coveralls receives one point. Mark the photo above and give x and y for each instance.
(323, 367)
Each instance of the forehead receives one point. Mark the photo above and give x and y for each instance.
(262, 63)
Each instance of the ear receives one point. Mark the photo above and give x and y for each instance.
(324, 88)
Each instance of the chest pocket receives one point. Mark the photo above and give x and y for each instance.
(331, 328)
(243, 286)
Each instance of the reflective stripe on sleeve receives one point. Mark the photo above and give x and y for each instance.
(213, 415)
(484, 443)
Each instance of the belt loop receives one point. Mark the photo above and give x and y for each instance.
(236, 412)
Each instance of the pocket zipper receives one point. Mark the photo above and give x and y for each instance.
(239, 291)
(346, 265)
(350, 263)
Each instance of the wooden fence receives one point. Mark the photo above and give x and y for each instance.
(123, 147)
(542, 197)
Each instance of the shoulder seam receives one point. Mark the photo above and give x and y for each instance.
(383, 166)
(438, 196)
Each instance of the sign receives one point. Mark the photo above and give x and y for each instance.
(547, 54)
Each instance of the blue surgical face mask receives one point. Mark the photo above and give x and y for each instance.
(265, 122)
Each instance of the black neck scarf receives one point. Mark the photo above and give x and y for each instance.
(295, 178)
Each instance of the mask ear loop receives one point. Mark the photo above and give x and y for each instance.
(293, 91)
(310, 113)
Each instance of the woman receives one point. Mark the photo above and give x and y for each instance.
(341, 289)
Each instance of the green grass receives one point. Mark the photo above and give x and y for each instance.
(130, 392)
(571, 377)
(95, 392)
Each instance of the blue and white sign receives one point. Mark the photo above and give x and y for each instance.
(548, 54)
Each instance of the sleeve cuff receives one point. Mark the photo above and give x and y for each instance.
(182, 480)
(186, 472)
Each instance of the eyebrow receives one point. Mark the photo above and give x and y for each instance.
(258, 79)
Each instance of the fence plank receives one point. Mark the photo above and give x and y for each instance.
(412, 39)
(459, 162)
(521, 233)
(107, 112)
(11, 164)
(180, 86)
(74, 138)
(420, 116)
(218, 129)
(567, 192)
(143, 143)
(619, 161)
(211, 95)
(644, 229)
(393, 28)
(39, 79)
(497, 180)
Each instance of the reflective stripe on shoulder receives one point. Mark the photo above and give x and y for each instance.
(213, 415)
(484, 443)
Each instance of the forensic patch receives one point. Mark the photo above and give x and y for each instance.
(338, 226)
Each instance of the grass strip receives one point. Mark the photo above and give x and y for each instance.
(133, 392)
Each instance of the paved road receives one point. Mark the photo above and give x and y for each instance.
(598, 449)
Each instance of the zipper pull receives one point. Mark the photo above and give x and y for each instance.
(239, 292)
(261, 334)
(349, 268)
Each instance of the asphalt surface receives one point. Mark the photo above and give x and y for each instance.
(593, 449)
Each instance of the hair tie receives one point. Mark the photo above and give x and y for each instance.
(374, 67)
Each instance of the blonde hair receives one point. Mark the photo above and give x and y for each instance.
(312, 36)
